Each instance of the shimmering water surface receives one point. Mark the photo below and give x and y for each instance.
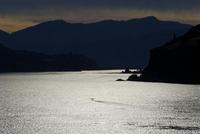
(94, 103)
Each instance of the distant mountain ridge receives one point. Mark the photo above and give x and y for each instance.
(113, 44)
(25, 61)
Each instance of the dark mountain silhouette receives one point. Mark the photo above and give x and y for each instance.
(114, 44)
(176, 61)
(3, 36)
(24, 61)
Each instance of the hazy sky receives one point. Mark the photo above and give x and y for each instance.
(16, 14)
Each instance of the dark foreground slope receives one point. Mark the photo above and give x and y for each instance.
(113, 44)
(24, 61)
(176, 62)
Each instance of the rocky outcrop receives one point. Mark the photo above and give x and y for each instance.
(176, 62)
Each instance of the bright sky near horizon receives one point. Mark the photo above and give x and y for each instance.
(17, 14)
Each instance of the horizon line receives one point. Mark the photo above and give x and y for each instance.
(95, 21)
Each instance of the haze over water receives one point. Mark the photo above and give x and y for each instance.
(94, 103)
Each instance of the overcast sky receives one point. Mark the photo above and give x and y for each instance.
(16, 14)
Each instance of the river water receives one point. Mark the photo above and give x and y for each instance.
(92, 102)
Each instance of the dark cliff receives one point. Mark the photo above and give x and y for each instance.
(177, 61)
